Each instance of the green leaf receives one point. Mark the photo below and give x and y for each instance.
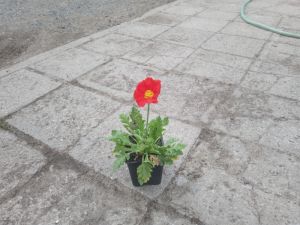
(137, 122)
(155, 128)
(119, 162)
(165, 121)
(144, 172)
(126, 122)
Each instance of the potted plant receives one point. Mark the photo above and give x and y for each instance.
(141, 145)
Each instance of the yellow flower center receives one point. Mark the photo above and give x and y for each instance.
(148, 94)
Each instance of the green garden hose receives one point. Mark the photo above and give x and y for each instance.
(263, 26)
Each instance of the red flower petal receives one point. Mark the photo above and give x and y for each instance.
(147, 91)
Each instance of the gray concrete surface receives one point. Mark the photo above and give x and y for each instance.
(30, 27)
(232, 94)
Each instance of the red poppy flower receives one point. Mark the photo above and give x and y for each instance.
(147, 91)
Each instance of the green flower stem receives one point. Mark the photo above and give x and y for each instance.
(148, 112)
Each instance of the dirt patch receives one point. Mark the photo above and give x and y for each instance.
(13, 45)
(36, 26)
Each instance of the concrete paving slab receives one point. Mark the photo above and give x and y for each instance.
(274, 209)
(18, 162)
(217, 176)
(246, 103)
(142, 30)
(237, 45)
(60, 196)
(163, 19)
(238, 90)
(283, 135)
(287, 87)
(118, 78)
(160, 54)
(287, 67)
(286, 9)
(205, 24)
(70, 64)
(114, 44)
(190, 37)
(216, 14)
(244, 29)
(235, 61)
(259, 81)
(262, 17)
(62, 117)
(279, 58)
(38, 196)
(156, 216)
(274, 51)
(246, 128)
(189, 98)
(95, 151)
(182, 10)
(290, 23)
(213, 71)
(274, 172)
(207, 193)
(21, 88)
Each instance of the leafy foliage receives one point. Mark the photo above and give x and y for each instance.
(144, 172)
(144, 142)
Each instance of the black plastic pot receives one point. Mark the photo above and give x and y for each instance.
(155, 176)
(133, 164)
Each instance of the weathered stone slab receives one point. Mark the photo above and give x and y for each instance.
(118, 78)
(204, 24)
(277, 52)
(114, 44)
(262, 16)
(142, 30)
(70, 64)
(274, 172)
(287, 9)
(258, 105)
(216, 14)
(287, 68)
(184, 10)
(189, 98)
(163, 19)
(235, 61)
(160, 54)
(18, 162)
(95, 151)
(190, 37)
(246, 128)
(259, 81)
(290, 23)
(227, 6)
(223, 152)
(284, 135)
(244, 29)
(237, 45)
(279, 58)
(216, 72)
(222, 181)
(211, 195)
(38, 196)
(276, 210)
(287, 87)
(156, 216)
(21, 88)
(60, 196)
(63, 116)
